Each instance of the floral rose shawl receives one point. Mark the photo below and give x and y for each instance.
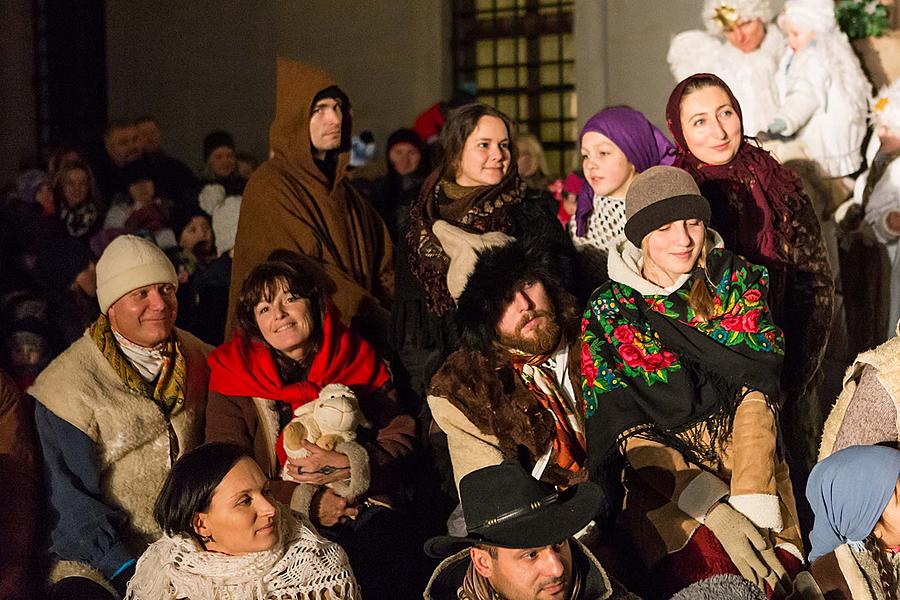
(651, 368)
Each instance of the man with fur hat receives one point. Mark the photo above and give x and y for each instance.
(519, 545)
(301, 200)
(741, 46)
(513, 389)
(113, 412)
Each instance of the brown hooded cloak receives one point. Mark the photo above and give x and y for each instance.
(290, 204)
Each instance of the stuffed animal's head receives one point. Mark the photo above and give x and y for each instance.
(337, 409)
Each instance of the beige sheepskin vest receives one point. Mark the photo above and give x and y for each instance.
(80, 387)
(886, 361)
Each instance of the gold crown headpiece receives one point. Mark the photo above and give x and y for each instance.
(725, 16)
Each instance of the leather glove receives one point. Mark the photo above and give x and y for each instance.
(750, 552)
(777, 126)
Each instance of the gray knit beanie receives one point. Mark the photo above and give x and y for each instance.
(658, 196)
(721, 587)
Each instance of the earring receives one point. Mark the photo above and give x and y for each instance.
(205, 538)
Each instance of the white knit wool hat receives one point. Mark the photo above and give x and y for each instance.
(130, 262)
(886, 107)
(745, 10)
(463, 249)
(813, 15)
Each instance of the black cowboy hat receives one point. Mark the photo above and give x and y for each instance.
(505, 506)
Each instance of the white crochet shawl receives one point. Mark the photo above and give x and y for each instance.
(605, 227)
(301, 566)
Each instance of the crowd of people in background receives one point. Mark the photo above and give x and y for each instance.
(443, 369)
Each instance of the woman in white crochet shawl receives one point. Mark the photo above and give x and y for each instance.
(225, 538)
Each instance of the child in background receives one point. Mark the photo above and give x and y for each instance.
(880, 189)
(617, 143)
(822, 91)
(566, 193)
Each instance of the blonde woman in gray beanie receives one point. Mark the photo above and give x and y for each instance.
(113, 413)
(681, 363)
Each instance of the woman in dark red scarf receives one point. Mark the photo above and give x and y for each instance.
(760, 209)
(291, 343)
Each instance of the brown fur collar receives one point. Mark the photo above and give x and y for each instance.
(486, 389)
(496, 400)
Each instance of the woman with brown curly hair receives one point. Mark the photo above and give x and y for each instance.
(289, 345)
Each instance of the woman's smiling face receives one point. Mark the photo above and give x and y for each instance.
(485, 157)
(673, 250)
(710, 125)
(286, 322)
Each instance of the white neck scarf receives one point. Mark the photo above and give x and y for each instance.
(147, 361)
(301, 566)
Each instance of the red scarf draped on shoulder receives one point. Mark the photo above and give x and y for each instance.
(245, 367)
(766, 191)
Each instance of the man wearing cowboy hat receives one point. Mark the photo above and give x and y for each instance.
(519, 544)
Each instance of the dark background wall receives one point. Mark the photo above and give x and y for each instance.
(208, 64)
(18, 125)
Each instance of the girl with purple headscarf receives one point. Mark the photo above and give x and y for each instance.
(617, 143)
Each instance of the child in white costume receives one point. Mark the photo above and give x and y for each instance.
(878, 189)
(742, 47)
(822, 91)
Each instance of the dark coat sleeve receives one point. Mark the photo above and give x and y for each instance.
(534, 221)
(234, 419)
(82, 526)
(392, 442)
(19, 472)
(420, 339)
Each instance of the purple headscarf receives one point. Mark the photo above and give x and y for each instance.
(644, 146)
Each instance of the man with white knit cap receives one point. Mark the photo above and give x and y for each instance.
(740, 45)
(113, 412)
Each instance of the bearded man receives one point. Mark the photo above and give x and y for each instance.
(513, 389)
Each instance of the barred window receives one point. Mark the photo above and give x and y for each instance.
(520, 57)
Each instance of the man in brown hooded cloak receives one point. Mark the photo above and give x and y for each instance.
(301, 200)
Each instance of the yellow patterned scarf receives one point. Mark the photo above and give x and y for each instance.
(168, 390)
